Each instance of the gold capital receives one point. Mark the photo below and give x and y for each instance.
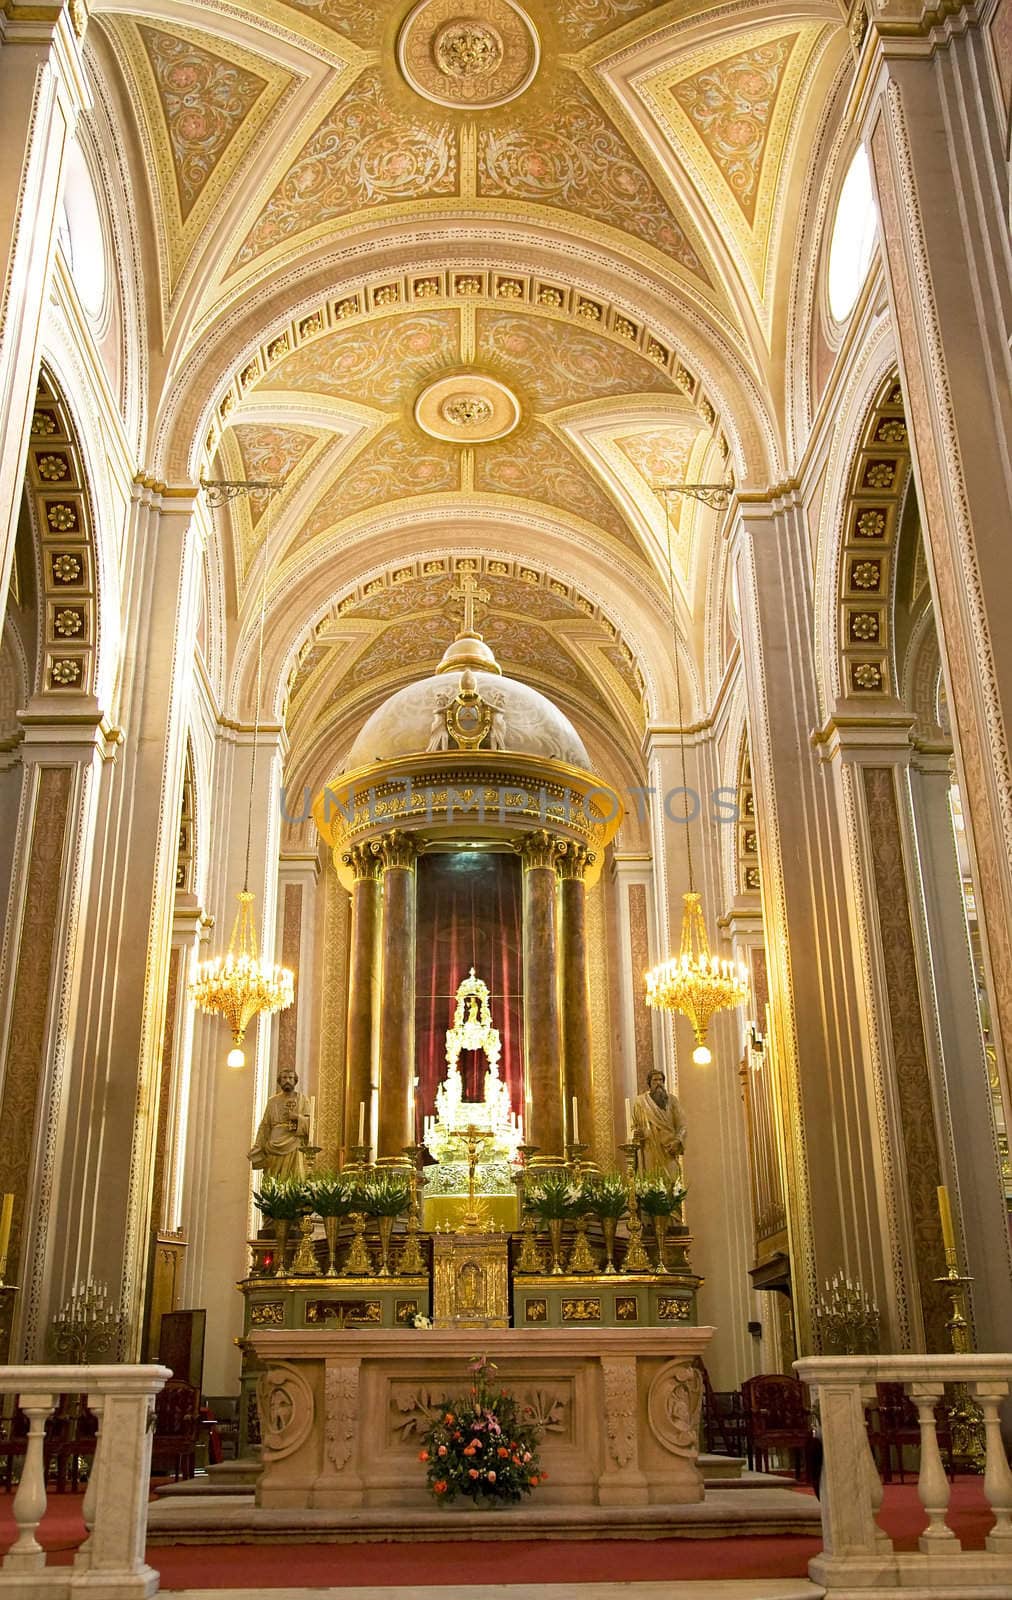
(538, 849)
(573, 860)
(396, 849)
(363, 863)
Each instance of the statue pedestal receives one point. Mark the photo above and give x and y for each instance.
(470, 1280)
(342, 1413)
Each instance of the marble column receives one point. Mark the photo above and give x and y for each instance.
(846, 1207)
(43, 88)
(543, 1119)
(395, 1120)
(572, 863)
(930, 105)
(363, 993)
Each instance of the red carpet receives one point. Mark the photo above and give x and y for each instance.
(530, 1561)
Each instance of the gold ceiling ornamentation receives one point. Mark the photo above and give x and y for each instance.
(467, 408)
(457, 59)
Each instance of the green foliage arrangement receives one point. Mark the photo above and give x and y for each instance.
(282, 1199)
(606, 1195)
(383, 1194)
(481, 1445)
(657, 1196)
(554, 1194)
(331, 1194)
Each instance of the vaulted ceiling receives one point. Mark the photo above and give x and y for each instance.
(577, 216)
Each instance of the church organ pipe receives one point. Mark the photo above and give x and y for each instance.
(572, 863)
(363, 988)
(543, 1120)
(397, 852)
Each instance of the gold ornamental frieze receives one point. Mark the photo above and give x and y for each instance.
(440, 797)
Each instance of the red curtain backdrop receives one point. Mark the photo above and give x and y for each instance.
(469, 915)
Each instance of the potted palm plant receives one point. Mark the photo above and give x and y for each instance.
(555, 1196)
(281, 1201)
(333, 1195)
(658, 1198)
(385, 1196)
(607, 1197)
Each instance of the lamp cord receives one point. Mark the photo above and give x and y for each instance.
(260, 675)
(678, 682)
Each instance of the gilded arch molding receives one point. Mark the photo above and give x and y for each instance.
(62, 513)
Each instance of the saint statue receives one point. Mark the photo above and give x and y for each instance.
(659, 1126)
(283, 1134)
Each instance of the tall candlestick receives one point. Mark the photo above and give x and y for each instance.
(944, 1212)
(361, 1123)
(576, 1121)
(6, 1214)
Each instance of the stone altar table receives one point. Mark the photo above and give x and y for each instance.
(342, 1413)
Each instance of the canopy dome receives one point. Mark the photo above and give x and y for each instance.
(413, 719)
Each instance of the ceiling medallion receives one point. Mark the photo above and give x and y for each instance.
(472, 62)
(467, 408)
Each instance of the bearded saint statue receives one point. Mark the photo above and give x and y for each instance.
(280, 1145)
(659, 1127)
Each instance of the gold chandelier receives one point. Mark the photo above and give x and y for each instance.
(694, 982)
(241, 985)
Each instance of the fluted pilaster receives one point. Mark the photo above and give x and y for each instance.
(542, 1031)
(363, 990)
(397, 853)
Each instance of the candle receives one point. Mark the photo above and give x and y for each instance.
(628, 1121)
(312, 1119)
(944, 1212)
(361, 1122)
(576, 1121)
(6, 1214)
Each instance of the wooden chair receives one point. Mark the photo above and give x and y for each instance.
(893, 1427)
(13, 1445)
(72, 1441)
(778, 1422)
(177, 1425)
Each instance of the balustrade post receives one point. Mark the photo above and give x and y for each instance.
(848, 1522)
(932, 1484)
(26, 1554)
(82, 1559)
(121, 1472)
(997, 1475)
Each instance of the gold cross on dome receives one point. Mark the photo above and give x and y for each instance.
(468, 594)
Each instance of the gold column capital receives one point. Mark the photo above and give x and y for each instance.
(573, 860)
(396, 849)
(538, 849)
(363, 863)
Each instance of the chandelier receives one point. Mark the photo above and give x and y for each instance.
(241, 985)
(694, 982)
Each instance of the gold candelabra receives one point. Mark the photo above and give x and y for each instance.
(846, 1317)
(87, 1323)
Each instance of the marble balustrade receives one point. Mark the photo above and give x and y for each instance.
(342, 1414)
(858, 1558)
(111, 1561)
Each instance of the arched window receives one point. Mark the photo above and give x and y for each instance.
(855, 230)
(81, 234)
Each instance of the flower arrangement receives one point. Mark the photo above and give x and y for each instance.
(657, 1196)
(481, 1446)
(606, 1194)
(383, 1194)
(554, 1196)
(282, 1200)
(331, 1194)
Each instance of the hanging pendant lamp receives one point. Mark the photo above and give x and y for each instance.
(694, 982)
(241, 985)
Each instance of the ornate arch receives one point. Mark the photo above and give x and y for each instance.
(878, 480)
(62, 513)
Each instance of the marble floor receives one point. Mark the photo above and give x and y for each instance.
(745, 1589)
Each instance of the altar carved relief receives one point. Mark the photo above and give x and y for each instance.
(412, 1411)
(341, 1394)
(620, 1411)
(286, 1407)
(674, 1402)
(550, 1410)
